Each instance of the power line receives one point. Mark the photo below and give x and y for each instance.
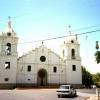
(89, 32)
(84, 28)
(94, 26)
(63, 36)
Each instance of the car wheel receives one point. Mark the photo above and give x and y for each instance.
(75, 94)
(59, 96)
(71, 95)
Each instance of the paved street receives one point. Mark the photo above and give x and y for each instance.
(35, 94)
(90, 91)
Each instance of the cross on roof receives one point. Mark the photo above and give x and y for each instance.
(9, 22)
(69, 28)
(42, 42)
(9, 18)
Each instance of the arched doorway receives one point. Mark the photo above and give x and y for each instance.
(42, 77)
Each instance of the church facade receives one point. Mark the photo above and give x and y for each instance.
(39, 67)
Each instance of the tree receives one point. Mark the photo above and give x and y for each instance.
(97, 56)
(86, 78)
(96, 79)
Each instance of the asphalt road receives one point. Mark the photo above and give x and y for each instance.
(34, 94)
(90, 91)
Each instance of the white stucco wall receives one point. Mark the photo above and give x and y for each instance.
(74, 77)
(33, 58)
(18, 67)
(8, 73)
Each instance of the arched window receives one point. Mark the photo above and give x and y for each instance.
(8, 48)
(7, 65)
(73, 67)
(29, 68)
(54, 69)
(73, 53)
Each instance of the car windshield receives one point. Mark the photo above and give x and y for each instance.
(64, 87)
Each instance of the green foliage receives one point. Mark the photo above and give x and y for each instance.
(96, 79)
(97, 56)
(86, 78)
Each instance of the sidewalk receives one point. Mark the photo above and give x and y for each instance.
(93, 98)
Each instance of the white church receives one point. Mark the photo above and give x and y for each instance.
(39, 67)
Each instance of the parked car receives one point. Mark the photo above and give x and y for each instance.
(66, 90)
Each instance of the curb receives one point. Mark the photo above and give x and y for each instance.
(92, 98)
(86, 98)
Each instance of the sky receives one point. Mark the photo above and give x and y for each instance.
(34, 20)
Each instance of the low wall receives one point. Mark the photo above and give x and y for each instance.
(7, 86)
(31, 85)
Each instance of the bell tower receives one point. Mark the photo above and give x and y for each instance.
(8, 57)
(71, 54)
(8, 41)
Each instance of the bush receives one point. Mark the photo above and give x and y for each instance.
(97, 84)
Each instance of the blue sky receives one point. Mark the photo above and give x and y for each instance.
(40, 19)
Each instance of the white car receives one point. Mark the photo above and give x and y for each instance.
(66, 90)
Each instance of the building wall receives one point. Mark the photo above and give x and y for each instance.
(18, 72)
(8, 76)
(52, 60)
(8, 57)
(74, 77)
